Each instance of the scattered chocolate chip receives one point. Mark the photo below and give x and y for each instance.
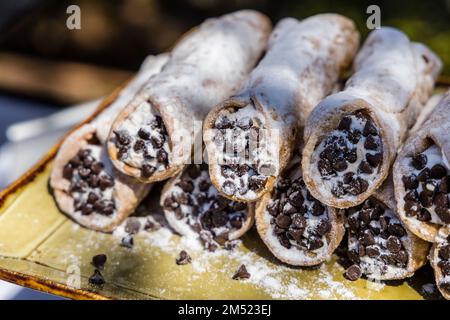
(99, 260)
(410, 182)
(444, 252)
(393, 244)
(68, 171)
(345, 124)
(371, 143)
(365, 167)
(419, 161)
(241, 273)
(97, 278)
(183, 258)
(229, 188)
(353, 273)
(438, 171)
(374, 159)
(369, 129)
(143, 134)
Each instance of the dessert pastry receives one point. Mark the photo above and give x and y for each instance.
(85, 185)
(440, 261)
(152, 139)
(422, 175)
(296, 227)
(250, 137)
(194, 208)
(379, 245)
(352, 137)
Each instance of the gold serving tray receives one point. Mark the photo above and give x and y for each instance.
(41, 248)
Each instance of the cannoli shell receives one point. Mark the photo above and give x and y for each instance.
(302, 65)
(205, 67)
(435, 129)
(127, 192)
(392, 80)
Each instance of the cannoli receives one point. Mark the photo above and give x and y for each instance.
(351, 137)
(379, 245)
(422, 175)
(440, 261)
(153, 137)
(296, 227)
(85, 185)
(250, 137)
(193, 207)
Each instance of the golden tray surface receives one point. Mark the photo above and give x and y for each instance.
(41, 248)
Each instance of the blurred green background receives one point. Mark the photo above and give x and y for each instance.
(117, 34)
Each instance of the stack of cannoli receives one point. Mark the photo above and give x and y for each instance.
(422, 188)
(284, 149)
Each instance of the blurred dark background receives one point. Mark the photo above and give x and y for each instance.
(42, 59)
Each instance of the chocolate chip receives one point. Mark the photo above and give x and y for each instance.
(132, 225)
(393, 244)
(364, 167)
(426, 200)
(419, 161)
(241, 273)
(92, 197)
(441, 200)
(127, 241)
(97, 167)
(84, 173)
(87, 209)
(357, 186)
(96, 278)
(236, 222)
(338, 189)
(193, 171)
(412, 195)
(186, 185)
(143, 134)
(445, 286)
(443, 214)
(444, 252)
(444, 185)
(397, 230)
(147, 170)
(412, 208)
(105, 181)
(283, 221)
(354, 136)
(99, 260)
(296, 199)
(388, 259)
(353, 273)
(323, 227)
(374, 159)
(317, 209)
(345, 123)
(88, 161)
(204, 185)
(122, 137)
(299, 222)
(162, 156)
(219, 219)
(157, 141)
(229, 188)
(68, 171)
(256, 182)
(223, 122)
(368, 238)
(373, 252)
(369, 129)
(410, 182)
(424, 175)
(371, 143)
(325, 167)
(353, 223)
(274, 207)
(183, 258)
(438, 171)
(139, 145)
(340, 165)
(401, 257)
(295, 234)
(314, 243)
(445, 267)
